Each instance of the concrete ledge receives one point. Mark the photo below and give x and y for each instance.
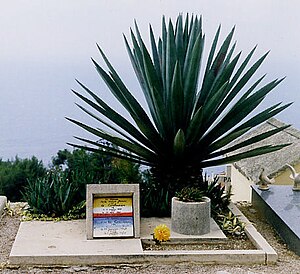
(167, 257)
(3, 201)
(148, 224)
(257, 239)
(65, 243)
(206, 256)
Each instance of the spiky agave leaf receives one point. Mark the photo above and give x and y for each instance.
(188, 125)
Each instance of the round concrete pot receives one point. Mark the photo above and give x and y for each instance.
(190, 218)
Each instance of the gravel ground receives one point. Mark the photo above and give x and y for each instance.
(288, 262)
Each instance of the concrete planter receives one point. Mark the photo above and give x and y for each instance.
(190, 218)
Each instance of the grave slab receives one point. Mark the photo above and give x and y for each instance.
(65, 243)
(148, 225)
(280, 205)
(52, 242)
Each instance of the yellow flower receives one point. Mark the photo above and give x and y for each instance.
(161, 233)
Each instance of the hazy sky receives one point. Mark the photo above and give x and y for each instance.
(45, 45)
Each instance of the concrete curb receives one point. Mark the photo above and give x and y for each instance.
(3, 201)
(257, 239)
(132, 252)
(234, 257)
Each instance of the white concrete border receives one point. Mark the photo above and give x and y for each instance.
(132, 253)
(257, 239)
(234, 257)
(3, 201)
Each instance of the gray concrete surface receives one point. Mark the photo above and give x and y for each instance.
(65, 243)
(148, 225)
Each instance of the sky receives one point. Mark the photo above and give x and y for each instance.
(47, 44)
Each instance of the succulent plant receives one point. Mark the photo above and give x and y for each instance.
(190, 123)
(190, 194)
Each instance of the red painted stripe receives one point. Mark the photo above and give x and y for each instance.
(121, 214)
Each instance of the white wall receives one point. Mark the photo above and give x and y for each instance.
(240, 185)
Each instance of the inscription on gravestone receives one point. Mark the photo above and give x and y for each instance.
(112, 211)
(113, 216)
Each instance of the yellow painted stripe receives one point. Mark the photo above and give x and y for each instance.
(112, 201)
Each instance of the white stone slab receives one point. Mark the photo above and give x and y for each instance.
(36, 240)
(234, 257)
(65, 243)
(148, 225)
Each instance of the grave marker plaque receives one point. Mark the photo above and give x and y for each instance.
(113, 217)
(113, 211)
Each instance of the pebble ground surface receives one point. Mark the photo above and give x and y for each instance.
(288, 262)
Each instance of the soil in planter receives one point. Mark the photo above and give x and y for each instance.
(233, 243)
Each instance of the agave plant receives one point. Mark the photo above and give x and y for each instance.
(188, 124)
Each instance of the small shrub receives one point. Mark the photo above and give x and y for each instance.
(53, 195)
(14, 176)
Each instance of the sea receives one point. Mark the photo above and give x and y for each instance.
(46, 45)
